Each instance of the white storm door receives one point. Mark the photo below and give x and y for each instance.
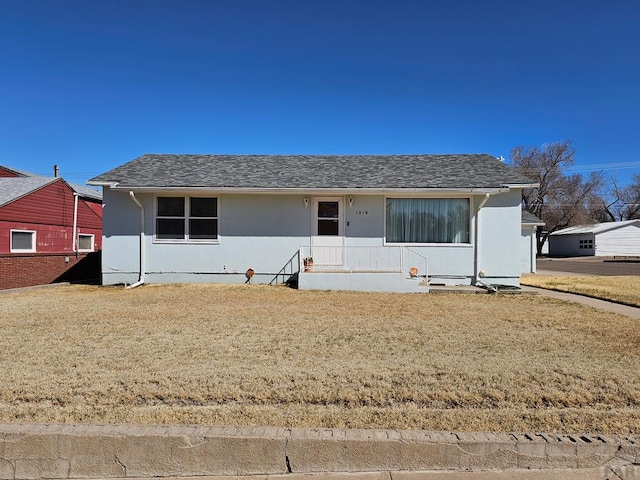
(327, 242)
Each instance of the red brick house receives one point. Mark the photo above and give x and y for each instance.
(50, 230)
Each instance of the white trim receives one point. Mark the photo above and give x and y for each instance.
(311, 190)
(22, 250)
(522, 185)
(341, 214)
(187, 206)
(328, 249)
(93, 239)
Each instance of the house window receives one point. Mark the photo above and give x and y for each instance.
(187, 218)
(427, 220)
(586, 244)
(23, 241)
(85, 242)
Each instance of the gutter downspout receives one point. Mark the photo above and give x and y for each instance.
(142, 253)
(74, 243)
(476, 259)
(533, 250)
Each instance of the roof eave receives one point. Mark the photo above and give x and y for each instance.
(102, 184)
(308, 191)
(522, 185)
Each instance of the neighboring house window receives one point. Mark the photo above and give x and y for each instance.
(23, 241)
(85, 243)
(586, 244)
(427, 220)
(187, 218)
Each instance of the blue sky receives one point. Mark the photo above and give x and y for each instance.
(89, 85)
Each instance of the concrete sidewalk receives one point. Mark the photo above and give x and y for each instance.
(633, 312)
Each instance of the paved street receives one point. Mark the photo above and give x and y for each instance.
(588, 266)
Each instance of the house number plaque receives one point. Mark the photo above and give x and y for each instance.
(362, 212)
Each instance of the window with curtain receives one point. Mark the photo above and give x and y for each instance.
(427, 220)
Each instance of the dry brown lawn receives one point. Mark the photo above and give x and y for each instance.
(256, 355)
(622, 289)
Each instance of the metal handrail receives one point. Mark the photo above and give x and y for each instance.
(293, 263)
(411, 259)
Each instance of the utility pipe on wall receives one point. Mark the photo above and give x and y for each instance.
(142, 252)
(74, 244)
(476, 259)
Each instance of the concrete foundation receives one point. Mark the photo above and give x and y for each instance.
(98, 452)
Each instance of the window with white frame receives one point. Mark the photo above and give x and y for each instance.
(427, 220)
(186, 219)
(85, 242)
(23, 241)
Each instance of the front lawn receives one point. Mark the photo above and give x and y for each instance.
(621, 289)
(258, 355)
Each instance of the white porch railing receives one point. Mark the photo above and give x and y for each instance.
(363, 259)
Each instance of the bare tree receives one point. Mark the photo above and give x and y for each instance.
(630, 200)
(561, 200)
(617, 203)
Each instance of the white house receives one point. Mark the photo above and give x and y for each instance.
(528, 248)
(600, 240)
(369, 222)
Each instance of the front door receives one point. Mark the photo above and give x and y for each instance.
(327, 241)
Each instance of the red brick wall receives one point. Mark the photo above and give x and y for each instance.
(27, 270)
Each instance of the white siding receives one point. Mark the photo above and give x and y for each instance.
(622, 241)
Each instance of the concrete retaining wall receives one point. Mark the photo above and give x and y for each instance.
(88, 451)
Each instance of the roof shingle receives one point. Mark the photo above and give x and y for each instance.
(314, 172)
(12, 188)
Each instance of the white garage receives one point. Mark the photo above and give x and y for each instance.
(600, 240)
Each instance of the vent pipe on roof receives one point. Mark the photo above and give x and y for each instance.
(55, 171)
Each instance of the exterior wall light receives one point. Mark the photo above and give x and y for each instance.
(350, 201)
(306, 202)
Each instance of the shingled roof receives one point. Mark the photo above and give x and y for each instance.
(13, 188)
(530, 219)
(321, 172)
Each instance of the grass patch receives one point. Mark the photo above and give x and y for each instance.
(256, 355)
(621, 289)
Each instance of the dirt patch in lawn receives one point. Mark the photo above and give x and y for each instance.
(621, 289)
(256, 355)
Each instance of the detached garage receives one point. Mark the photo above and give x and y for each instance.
(600, 240)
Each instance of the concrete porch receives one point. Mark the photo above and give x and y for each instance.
(368, 281)
(362, 268)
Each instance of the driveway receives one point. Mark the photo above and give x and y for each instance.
(588, 266)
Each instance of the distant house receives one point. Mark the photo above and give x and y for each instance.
(600, 240)
(368, 222)
(528, 248)
(48, 228)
